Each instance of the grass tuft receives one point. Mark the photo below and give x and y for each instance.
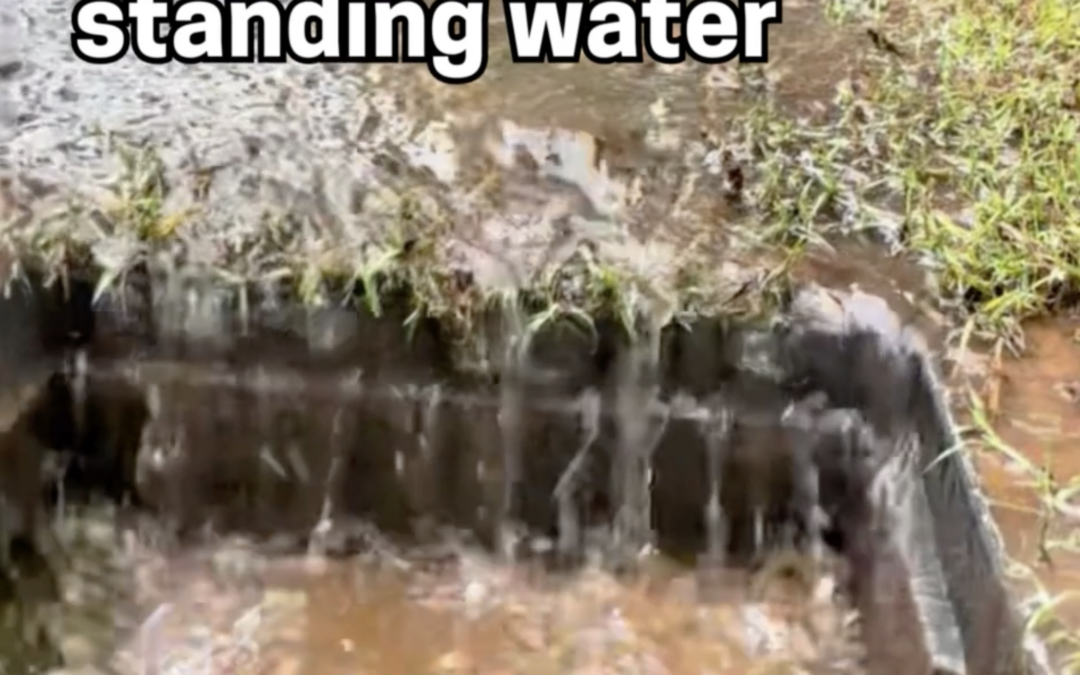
(963, 148)
(144, 224)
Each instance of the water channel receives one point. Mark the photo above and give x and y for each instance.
(227, 606)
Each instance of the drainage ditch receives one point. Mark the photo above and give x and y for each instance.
(822, 429)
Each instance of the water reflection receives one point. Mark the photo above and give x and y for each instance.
(225, 609)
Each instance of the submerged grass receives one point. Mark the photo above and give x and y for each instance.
(1055, 495)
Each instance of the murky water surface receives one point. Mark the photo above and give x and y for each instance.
(285, 123)
(53, 99)
(225, 609)
(807, 56)
(1034, 404)
(288, 127)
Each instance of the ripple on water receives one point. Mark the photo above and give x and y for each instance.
(206, 108)
(475, 617)
(1036, 413)
(329, 141)
(304, 118)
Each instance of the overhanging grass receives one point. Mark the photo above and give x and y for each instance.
(968, 139)
(964, 137)
(400, 261)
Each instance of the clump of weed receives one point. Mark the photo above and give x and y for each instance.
(964, 134)
(401, 261)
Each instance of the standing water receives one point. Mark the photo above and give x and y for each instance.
(1031, 465)
(415, 595)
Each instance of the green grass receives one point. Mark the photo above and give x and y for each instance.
(968, 140)
(397, 263)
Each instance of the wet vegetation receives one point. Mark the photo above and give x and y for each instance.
(955, 144)
(957, 147)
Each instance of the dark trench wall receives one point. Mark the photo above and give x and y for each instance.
(863, 358)
(259, 423)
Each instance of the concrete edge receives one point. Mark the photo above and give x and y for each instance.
(950, 481)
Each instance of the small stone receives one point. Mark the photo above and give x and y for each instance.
(78, 650)
(475, 594)
(452, 662)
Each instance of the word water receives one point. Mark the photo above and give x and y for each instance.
(450, 36)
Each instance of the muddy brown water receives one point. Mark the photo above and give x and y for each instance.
(210, 418)
(305, 615)
(807, 57)
(1035, 407)
(225, 608)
